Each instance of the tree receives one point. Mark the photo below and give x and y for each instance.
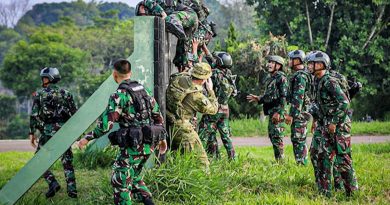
(24, 61)
(10, 13)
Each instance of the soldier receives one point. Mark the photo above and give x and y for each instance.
(52, 107)
(184, 100)
(140, 131)
(335, 144)
(299, 98)
(274, 103)
(224, 87)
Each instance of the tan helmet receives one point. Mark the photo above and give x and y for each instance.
(201, 71)
(276, 59)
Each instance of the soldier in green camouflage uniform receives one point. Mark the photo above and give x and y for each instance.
(184, 99)
(224, 87)
(274, 103)
(133, 112)
(335, 146)
(299, 98)
(52, 107)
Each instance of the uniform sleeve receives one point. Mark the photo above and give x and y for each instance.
(35, 122)
(283, 89)
(298, 94)
(227, 90)
(110, 115)
(200, 103)
(71, 104)
(342, 101)
(154, 7)
(157, 117)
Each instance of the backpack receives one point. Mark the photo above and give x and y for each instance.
(342, 81)
(53, 106)
(179, 87)
(309, 86)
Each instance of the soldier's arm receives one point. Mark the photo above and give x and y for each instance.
(71, 104)
(298, 92)
(34, 117)
(283, 89)
(154, 8)
(110, 115)
(201, 103)
(156, 113)
(227, 89)
(335, 90)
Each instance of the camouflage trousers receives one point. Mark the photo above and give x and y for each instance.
(208, 128)
(335, 150)
(186, 139)
(314, 152)
(126, 181)
(183, 21)
(276, 134)
(298, 138)
(66, 160)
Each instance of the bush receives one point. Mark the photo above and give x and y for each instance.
(18, 127)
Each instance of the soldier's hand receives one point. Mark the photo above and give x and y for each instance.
(253, 98)
(209, 84)
(313, 126)
(332, 128)
(81, 144)
(288, 119)
(33, 140)
(275, 118)
(162, 146)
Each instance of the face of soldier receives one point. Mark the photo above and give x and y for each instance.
(310, 66)
(141, 10)
(290, 63)
(45, 81)
(271, 66)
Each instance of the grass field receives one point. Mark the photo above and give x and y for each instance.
(253, 127)
(254, 178)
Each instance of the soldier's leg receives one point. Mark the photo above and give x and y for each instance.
(314, 152)
(298, 139)
(121, 178)
(337, 179)
(343, 163)
(67, 160)
(276, 134)
(139, 190)
(208, 136)
(174, 25)
(326, 159)
(225, 132)
(48, 175)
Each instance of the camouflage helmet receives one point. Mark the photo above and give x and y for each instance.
(309, 56)
(223, 59)
(300, 54)
(277, 59)
(137, 12)
(51, 73)
(320, 56)
(201, 71)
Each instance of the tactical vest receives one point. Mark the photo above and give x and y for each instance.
(147, 133)
(53, 107)
(180, 85)
(141, 100)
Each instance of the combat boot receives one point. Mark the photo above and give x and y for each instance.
(148, 201)
(72, 194)
(53, 188)
(175, 27)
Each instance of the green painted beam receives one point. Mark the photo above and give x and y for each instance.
(141, 60)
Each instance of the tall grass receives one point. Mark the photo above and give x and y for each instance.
(254, 127)
(254, 178)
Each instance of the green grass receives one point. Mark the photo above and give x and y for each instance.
(254, 178)
(253, 127)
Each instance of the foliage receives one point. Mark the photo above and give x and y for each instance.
(253, 176)
(26, 58)
(18, 127)
(7, 112)
(7, 38)
(80, 12)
